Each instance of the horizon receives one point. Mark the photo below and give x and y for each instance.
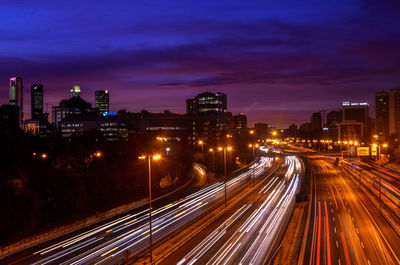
(277, 62)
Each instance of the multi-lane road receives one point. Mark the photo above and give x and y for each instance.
(346, 227)
(249, 232)
(106, 243)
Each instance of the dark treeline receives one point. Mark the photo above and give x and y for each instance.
(71, 182)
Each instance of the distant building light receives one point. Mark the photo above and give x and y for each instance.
(325, 129)
(109, 113)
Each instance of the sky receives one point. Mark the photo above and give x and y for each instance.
(277, 61)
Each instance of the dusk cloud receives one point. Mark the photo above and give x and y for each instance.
(154, 55)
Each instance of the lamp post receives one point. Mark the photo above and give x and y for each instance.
(45, 156)
(149, 158)
(202, 146)
(225, 149)
(211, 150)
(253, 146)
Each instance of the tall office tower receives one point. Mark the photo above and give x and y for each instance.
(316, 121)
(316, 124)
(37, 101)
(211, 102)
(240, 121)
(261, 131)
(207, 103)
(75, 91)
(354, 125)
(382, 114)
(394, 111)
(16, 97)
(191, 106)
(333, 119)
(102, 100)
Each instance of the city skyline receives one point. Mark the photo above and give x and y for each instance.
(276, 62)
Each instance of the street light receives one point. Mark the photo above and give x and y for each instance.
(213, 158)
(202, 146)
(253, 146)
(225, 149)
(149, 158)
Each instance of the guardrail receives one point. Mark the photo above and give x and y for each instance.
(374, 198)
(306, 229)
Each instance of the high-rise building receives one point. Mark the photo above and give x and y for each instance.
(240, 121)
(207, 103)
(102, 100)
(394, 111)
(333, 119)
(75, 91)
(382, 122)
(261, 131)
(354, 125)
(316, 121)
(191, 106)
(74, 106)
(36, 101)
(16, 97)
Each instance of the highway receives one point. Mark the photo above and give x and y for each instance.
(346, 227)
(247, 233)
(106, 243)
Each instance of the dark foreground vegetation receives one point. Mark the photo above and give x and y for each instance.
(53, 181)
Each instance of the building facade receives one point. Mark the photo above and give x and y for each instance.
(355, 118)
(17, 97)
(36, 101)
(394, 111)
(74, 106)
(382, 122)
(102, 98)
(240, 121)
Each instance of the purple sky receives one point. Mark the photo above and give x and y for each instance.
(277, 61)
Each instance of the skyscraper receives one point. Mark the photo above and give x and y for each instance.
(316, 121)
(75, 91)
(240, 121)
(16, 97)
(394, 111)
(102, 100)
(36, 101)
(382, 123)
(191, 106)
(354, 125)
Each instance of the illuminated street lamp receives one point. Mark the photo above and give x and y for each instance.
(202, 146)
(45, 156)
(149, 158)
(253, 146)
(211, 150)
(225, 149)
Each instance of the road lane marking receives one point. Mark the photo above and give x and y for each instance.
(111, 250)
(327, 233)
(337, 244)
(346, 251)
